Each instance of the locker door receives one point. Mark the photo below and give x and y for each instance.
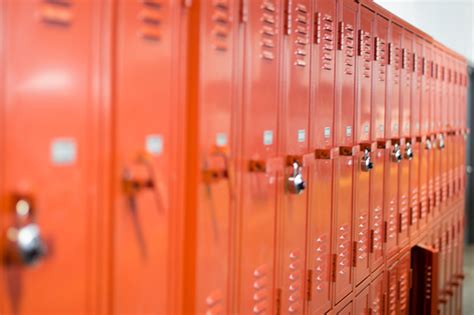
(144, 150)
(320, 190)
(429, 73)
(362, 302)
(424, 262)
(425, 141)
(262, 40)
(50, 157)
(393, 159)
(293, 197)
(377, 295)
(450, 103)
(416, 87)
(392, 290)
(364, 161)
(346, 310)
(439, 136)
(444, 153)
(405, 134)
(382, 153)
(214, 43)
(345, 102)
(403, 273)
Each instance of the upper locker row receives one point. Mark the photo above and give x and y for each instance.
(216, 156)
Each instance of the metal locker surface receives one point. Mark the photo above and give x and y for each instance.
(344, 139)
(382, 152)
(403, 275)
(394, 157)
(346, 310)
(320, 190)
(146, 65)
(392, 290)
(365, 158)
(362, 302)
(431, 86)
(438, 136)
(405, 135)
(377, 295)
(261, 167)
(443, 141)
(415, 133)
(294, 141)
(50, 149)
(214, 44)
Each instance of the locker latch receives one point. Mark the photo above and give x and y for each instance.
(396, 153)
(25, 244)
(441, 144)
(366, 163)
(408, 151)
(428, 144)
(295, 182)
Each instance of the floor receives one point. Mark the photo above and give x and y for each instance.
(468, 288)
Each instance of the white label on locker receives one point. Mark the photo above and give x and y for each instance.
(301, 135)
(268, 137)
(417, 125)
(221, 139)
(154, 144)
(63, 151)
(407, 126)
(348, 131)
(327, 132)
(366, 129)
(381, 128)
(395, 127)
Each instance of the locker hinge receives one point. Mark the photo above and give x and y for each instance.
(243, 13)
(384, 298)
(309, 286)
(385, 226)
(400, 216)
(371, 245)
(411, 216)
(317, 28)
(287, 18)
(376, 48)
(340, 40)
(354, 254)
(333, 268)
(360, 43)
(414, 67)
(278, 302)
(423, 66)
(404, 58)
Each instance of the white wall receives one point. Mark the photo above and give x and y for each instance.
(451, 22)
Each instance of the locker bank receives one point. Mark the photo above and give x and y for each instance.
(229, 157)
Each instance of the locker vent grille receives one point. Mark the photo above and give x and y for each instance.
(221, 24)
(268, 29)
(56, 12)
(150, 18)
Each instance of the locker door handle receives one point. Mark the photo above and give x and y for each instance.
(366, 161)
(396, 153)
(441, 143)
(428, 144)
(26, 245)
(408, 151)
(295, 181)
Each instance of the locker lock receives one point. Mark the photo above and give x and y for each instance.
(428, 144)
(366, 162)
(26, 245)
(408, 151)
(295, 182)
(441, 141)
(396, 153)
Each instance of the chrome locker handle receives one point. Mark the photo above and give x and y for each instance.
(366, 161)
(295, 182)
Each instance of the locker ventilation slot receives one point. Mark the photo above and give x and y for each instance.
(299, 18)
(268, 29)
(56, 12)
(150, 18)
(327, 35)
(221, 24)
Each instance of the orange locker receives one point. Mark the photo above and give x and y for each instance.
(392, 161)
(431, 139)
(320, 190)
(439, 144)
(293, 196)
(404, 278)
(377, 295)
(392, 290)
(424, 137)
(362, 129)
(344, 310)
(414, 187)
(261, 166)
(215, 48)
(362, 302)
(381, 155)
(344, 139)
(443, 141)
(144, 150)
(405, 136)
(449, 126)
(50, 157)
